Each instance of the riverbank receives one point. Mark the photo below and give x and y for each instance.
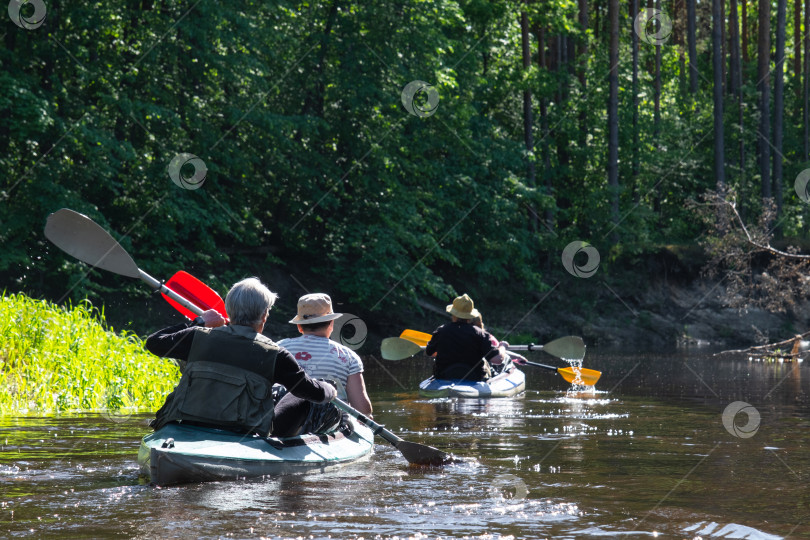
(657, 301)
(55, 359)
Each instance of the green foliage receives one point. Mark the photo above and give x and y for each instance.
(54, 359)
(312, 160)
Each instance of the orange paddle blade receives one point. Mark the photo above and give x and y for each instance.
(415, 336)
(588, 376)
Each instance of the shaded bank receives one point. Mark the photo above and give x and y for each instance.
(659, 300)
(652, 301)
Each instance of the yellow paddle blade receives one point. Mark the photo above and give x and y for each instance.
(415, 336)
(588, 376)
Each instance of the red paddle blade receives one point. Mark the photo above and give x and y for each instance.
(196, 292)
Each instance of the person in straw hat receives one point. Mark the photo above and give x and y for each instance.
(323, 358)
(462, 349)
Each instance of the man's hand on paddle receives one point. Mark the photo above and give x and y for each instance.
(212, 319)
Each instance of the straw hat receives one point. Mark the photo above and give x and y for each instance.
(463, 308)
(315, 308)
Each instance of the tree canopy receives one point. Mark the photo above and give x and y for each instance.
(312, 153)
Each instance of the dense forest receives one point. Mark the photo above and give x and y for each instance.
(393, 145)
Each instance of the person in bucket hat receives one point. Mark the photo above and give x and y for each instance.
(323, 358)
(462, 349)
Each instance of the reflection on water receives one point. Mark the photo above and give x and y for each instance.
(646, 452)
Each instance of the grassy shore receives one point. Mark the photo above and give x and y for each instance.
(55, 359)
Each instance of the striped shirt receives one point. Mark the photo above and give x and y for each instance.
(323, 358)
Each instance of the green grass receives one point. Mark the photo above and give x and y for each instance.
(55, 359)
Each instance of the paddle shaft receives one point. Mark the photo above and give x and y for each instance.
(415, 453)
(544, 366)
(376, 428)
(157, 285)
(529, 347)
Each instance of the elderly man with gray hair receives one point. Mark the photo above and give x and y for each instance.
(230, 371)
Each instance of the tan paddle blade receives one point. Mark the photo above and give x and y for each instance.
(394, 348)
(588, 376)
(79, 236)
(570, 347)
(420, 338)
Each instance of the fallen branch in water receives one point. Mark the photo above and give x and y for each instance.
(769, 347)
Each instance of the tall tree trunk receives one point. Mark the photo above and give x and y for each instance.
(797, 44)
(544, 144)
(657, 87)
(691, 24)
(723, 41)
(635, 149)
(581, 72)
(678, 40)
(744, 27)
(613, 116)
(733, 49)
(779, 103)
(736, 73)
(763, 76)
(717, 68)
(561, 139)
(806, 99)
(528, 121)
(314, 102)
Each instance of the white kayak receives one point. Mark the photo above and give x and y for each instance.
(508, 383)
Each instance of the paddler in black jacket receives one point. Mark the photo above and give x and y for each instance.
(460, 347)
(230, 369)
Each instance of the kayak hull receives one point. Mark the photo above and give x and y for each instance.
(505, 384)
(179, 454)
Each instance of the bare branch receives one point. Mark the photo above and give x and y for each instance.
(765, 247)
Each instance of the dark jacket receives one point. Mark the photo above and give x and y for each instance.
(460, 351)
(228, 380)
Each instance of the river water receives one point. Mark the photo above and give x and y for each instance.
(646, 455)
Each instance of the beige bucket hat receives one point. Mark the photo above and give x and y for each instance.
(463, 308)
(315, 308)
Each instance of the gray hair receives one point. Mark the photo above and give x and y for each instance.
(248, 301)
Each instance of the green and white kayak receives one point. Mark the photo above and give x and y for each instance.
(181, 453)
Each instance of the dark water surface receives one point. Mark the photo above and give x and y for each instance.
(647, 455)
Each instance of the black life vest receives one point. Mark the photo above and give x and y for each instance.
(215, 393)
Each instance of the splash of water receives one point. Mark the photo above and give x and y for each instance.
(578, 386)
